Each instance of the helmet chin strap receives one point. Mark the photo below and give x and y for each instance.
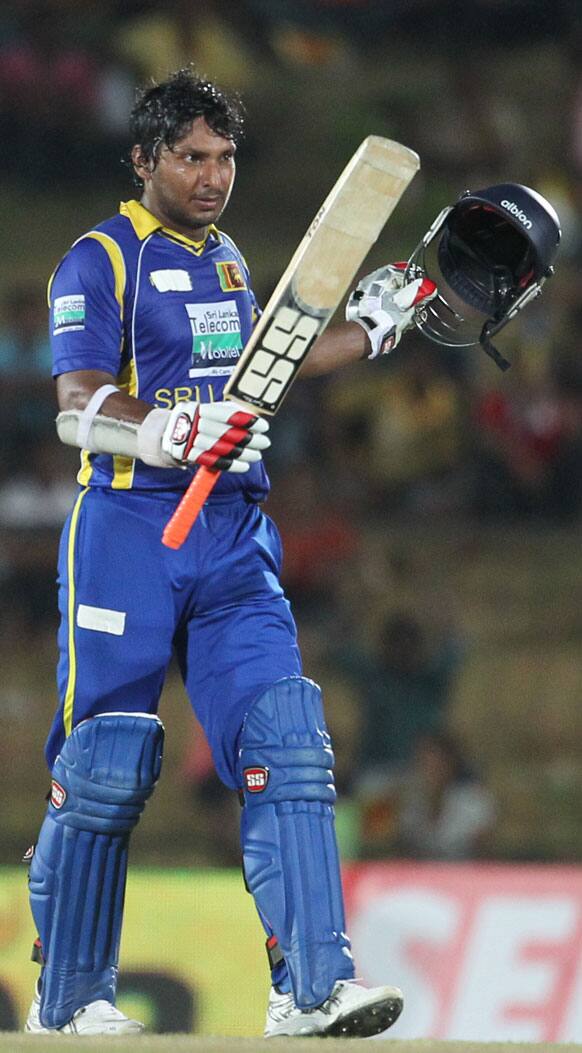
(491, 327)
(490, 348)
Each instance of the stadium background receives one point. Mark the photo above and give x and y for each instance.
(426, 494)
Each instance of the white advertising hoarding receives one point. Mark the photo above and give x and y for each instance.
(482, 952)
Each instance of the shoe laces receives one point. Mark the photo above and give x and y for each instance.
(112, 1011)
(334, 997)
(285, 1008)
(284, 1005)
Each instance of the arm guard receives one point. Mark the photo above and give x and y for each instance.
(122, 437)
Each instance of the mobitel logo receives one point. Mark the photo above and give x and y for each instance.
(515, 211)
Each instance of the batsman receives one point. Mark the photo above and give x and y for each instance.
(149, 313)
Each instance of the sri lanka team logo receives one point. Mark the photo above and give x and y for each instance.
(230, 276)
(216, 337)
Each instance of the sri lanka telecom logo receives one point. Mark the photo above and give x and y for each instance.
(216, 337)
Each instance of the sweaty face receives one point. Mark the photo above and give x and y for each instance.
(190, 184)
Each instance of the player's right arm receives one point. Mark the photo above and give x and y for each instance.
(218, 435)
(96, 415)
(76, 389)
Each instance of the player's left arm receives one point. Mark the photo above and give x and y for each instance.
(339, 345)
(382, 307)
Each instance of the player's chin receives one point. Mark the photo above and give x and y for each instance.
(202, 214)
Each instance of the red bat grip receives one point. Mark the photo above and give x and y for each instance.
(179, 526)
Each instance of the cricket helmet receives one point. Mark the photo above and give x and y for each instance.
(493, 249)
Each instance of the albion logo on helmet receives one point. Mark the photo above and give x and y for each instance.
(517, 212)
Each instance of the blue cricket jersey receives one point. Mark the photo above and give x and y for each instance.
(165, 315)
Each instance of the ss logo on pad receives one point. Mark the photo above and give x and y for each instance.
(255, 779)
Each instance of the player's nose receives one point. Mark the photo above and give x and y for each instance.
(210, 175)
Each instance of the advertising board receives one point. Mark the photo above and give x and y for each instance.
(482, 952)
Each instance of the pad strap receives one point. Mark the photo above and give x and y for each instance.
(274, 952)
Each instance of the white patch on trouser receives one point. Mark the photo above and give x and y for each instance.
(101, 620)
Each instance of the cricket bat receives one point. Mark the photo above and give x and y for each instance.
(309, 292)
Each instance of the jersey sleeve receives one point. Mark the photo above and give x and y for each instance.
(256, 309)
(86, 326)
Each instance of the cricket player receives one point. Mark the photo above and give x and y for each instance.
(149, 312)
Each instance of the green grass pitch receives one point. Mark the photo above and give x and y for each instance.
(11, 1042)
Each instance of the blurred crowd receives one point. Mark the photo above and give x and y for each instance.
(423, 436)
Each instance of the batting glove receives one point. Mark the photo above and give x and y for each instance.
(385, 305)
(218, 435)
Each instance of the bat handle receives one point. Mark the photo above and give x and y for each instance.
(179, 526)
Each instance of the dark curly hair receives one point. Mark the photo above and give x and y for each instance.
(163, 112)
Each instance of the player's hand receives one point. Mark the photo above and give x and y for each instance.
(385, 305)
(218, 435)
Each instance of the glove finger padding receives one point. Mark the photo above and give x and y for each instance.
(246, 436)
(231, 412)
(223, 447)
(418, 291)
(218, 435)
(385, 305)
(222, 464)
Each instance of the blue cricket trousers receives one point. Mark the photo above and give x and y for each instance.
(127, 603)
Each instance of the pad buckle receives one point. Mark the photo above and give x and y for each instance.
(37, 955)
(274, 952)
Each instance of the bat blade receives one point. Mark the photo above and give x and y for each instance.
(320, 271)
(308, 293)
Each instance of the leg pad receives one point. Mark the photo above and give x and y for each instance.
(102, 778)
(288, 835)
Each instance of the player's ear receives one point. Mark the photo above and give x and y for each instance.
(142, 165)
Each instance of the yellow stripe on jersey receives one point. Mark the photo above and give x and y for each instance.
(145, 223)
(117, 262)
(49, 288)
(86, 470)
(119, 279)
(123, 467)
(69, 702)
(196, 248)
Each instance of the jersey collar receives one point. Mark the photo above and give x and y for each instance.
(145, 223)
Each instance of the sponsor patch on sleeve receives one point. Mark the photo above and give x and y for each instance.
(230, 276)
(68, 314)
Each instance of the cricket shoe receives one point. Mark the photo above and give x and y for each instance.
(351, 1011)
(97, 1018)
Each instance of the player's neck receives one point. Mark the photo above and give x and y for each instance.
(193, 233)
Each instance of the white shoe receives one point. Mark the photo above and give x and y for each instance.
(97, 1018)
(351, 1011)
